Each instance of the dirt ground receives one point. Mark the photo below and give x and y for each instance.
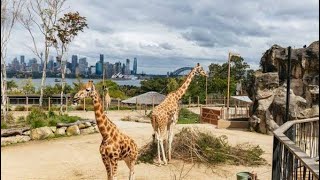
(77, 157)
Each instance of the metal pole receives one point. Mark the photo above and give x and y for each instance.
(228, 85)
(288, 85)
(206, 90)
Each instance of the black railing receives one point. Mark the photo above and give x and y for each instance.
(296, 150)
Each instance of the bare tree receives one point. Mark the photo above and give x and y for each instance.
(10, 11)
(66, 29)
(42, 14)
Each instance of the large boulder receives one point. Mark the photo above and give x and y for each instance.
(41, 133)
(88, 130)
(73, 130)
(14, 139)
(60, 131)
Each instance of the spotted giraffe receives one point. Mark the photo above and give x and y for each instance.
(115, 145)
(165, 115)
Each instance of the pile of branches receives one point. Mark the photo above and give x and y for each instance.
(191, 145)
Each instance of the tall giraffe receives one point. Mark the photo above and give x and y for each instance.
(107, 99)
(115, 145)
(165, 115)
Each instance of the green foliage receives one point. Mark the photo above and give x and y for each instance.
(155, 84)
(21, 119)
(11, 84)
(113, 87)
(56, 89)
(187, 117)
(4, 125)
(172, 84)
(37, 118)
(28, 87)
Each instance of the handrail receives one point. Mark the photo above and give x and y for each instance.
(310, 163)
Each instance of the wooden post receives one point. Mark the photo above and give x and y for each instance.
(206, 90)
(247, 110)
(66, 104)
(198, 99)
(152, 102)
(118, 104)
(27, 102)
(200, 117)
(137, 104)
(189, 101)
(8, 101)
(84, 104)
(49, 103)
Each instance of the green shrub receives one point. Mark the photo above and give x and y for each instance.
(10, 118)
(20, 108)
(4, 125)
(37, 118)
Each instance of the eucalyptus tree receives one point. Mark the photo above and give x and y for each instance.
(10, 12)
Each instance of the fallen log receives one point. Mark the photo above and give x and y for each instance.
(75, 123)
(13, 131)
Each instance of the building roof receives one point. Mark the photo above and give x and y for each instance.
(151, 97)
(242, 98)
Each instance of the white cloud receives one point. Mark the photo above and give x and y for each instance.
(165, 35)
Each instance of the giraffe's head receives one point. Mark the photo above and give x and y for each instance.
(84, 92)
(199, 70)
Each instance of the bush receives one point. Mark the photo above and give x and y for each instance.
(37, 118)
(20, 108)
(10, 118)
(4, 125)
(21, 119)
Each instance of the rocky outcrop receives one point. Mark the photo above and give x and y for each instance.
(14, 139)
(269, 87)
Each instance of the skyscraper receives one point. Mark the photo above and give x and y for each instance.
(135, 66)
(74, 63)
(101, 58)
(127, 68)
(22, 60)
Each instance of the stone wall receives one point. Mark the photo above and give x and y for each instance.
(269, 87)
(17, 135)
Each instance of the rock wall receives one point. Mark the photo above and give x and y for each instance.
(269, 87)
(12, 136)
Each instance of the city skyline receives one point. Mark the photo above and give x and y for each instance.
(202, 31)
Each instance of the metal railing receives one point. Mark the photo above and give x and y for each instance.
(296, 150)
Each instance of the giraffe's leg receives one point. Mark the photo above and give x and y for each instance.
(130, 163)
(163, 153)
(114, 170)
(170, 139)
(106, 163)
(158, 145)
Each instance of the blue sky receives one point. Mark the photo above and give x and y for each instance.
(166, 35)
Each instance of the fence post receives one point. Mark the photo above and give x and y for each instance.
(198, 99)
(136, 104)
(200, 117)
(66, 103)
(152, 102)
(49, 103)
(27, 101)
(8, 101)
(118, 104)
(189, 101)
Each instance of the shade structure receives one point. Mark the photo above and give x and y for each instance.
(147, 98)
(245, 99)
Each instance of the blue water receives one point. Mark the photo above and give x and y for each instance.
(50, 81)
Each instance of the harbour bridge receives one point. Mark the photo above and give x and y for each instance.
(180, 70)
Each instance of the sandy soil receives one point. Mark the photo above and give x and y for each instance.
(78, 157)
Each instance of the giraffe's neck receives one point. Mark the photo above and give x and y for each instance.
(182, 89)
(104, 124)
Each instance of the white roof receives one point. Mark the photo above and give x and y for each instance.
(242, 98)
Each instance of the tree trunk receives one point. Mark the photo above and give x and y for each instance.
(44, 74)
(4, 88)
(63, 71)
